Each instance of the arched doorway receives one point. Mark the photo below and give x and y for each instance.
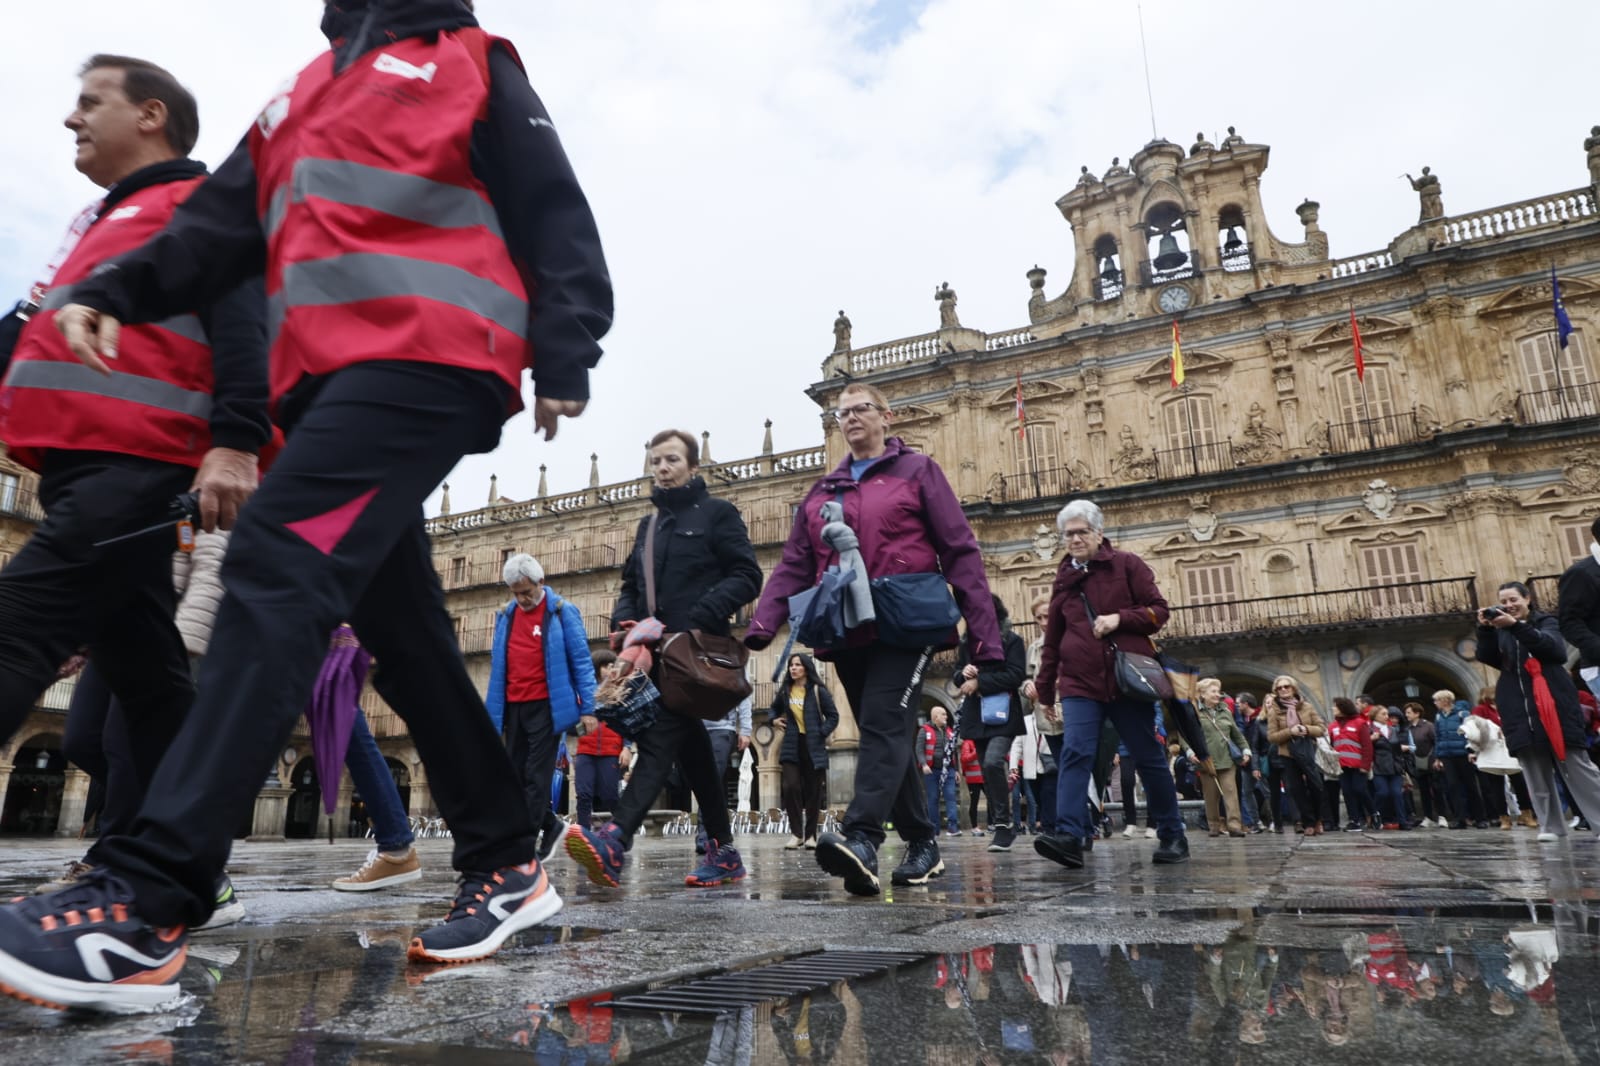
(402, 781)
(1403, 676)
(33, 797)
(304, 802)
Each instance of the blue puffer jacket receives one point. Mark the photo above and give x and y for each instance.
(1447, 739)
(568, 669)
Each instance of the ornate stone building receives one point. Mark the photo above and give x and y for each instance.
(1300, 518)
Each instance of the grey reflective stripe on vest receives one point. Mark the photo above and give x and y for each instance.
(189, 327)
(402, 195)
(348, 279)
(75, 377)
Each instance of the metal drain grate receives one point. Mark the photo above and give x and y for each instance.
(728, 992)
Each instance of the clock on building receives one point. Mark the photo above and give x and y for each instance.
(1174, 298)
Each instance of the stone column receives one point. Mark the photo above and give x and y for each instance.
(271, 813)
(74, 798)
(340, 818)
(5, 781)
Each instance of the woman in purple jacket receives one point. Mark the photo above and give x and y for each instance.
(908, 521)
(1103, 600)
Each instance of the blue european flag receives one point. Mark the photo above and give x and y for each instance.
(1563, 323)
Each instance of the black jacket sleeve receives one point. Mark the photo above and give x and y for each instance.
(1579, 601)
(10, 332)
(236, 326)
(548, 228)
(741, 580)
(1540, 637)
(630, 601)
(830, 713)
(1006, 676)
(212, 245)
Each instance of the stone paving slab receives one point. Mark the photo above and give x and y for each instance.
(1235, 943)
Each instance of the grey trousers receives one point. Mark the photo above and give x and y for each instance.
(1539, 774)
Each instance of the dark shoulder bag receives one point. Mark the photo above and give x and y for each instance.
(1138, 677)
(700, 674)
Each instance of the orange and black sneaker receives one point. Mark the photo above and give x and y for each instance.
(488, 908)
(87, 947)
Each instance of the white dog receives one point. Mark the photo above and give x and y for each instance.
(1485, 738)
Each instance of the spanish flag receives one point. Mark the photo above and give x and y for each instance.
(1177, 357)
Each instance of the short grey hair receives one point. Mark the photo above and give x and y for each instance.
(1085, 510)
(522, 566)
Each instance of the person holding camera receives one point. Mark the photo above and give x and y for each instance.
(1538, 704)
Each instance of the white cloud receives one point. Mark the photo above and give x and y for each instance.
(756, 167)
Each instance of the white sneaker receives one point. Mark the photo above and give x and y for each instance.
(795, 844)
(1150, 833)
(1128, 832)
(1574, 823)
(1548, 838)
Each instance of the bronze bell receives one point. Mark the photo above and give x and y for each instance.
(1234, 241)
(1109, 272)
(1168, 257)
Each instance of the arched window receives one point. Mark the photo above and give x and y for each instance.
(1189, 427)
(1556, 381)
(1366, 414)
(1108, 269)
(1233, 246)
(1035, 466)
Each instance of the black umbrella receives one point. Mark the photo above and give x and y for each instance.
(1179, 711)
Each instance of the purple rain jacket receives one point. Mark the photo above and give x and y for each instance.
(909, 522)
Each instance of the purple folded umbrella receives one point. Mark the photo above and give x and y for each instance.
(331, 712)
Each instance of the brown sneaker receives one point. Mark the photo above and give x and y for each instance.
(382, 870)
(76, 869)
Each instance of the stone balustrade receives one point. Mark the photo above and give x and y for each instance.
(999, 341)
(1359, 264)
(894, 353)
(1541, 212)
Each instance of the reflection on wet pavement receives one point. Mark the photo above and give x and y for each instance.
(1436, 947)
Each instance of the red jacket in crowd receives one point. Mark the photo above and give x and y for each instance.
(971, 766)
(1352, 739)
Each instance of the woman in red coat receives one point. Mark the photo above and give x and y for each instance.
(972, 773)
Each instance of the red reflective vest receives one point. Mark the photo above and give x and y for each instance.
(381, 242)
(156, 403)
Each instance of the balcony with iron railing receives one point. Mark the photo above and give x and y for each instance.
(1036, 484)
(1215, 457)
(1307, 612)
(18, 502)
(1560, 404)
(1379, 431)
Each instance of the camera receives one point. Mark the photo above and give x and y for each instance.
(1492, 612)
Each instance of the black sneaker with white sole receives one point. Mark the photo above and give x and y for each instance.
(487, 910)
(229, 910)
(1004, 837)
(851, 858)
(554, 832)
(87, 947)
(922, 863)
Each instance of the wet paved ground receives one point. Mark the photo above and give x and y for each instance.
(1422, 947)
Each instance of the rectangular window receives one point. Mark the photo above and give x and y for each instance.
(10, 486)
(1393, 573)
(1557, 384)
(458, 571)
(1366, 415)
(1574, 538)
(1213, 591)
(1189, 427)
(1036, 468)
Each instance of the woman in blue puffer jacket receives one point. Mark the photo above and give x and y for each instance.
(1453, 758)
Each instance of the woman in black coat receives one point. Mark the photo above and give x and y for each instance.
(1510, 638)
(803, 712)
(994, 741)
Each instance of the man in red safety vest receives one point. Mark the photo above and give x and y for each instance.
(114, 453)
(423, 240)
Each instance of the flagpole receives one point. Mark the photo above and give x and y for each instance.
(1033, 461)
(1556, 349)
(1361, 381)
(1188, 414)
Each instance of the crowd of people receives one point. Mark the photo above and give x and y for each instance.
(300, 347)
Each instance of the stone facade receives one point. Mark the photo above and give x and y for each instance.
(1300, 519)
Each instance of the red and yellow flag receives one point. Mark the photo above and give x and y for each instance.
(1177, 357)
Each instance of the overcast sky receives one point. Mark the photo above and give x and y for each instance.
(755, 167)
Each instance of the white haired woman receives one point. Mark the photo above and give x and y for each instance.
(541, 680)
(1103, 601)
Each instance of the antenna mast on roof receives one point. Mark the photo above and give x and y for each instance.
(1149, 93)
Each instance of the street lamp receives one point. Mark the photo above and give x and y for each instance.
(1412, 687)
(43, 760)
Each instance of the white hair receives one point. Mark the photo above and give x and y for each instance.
(522, 567)
(1085, 510)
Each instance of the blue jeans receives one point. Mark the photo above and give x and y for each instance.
(370, 774)
(934, 784)
(1135, 723)
(1391, 797)
(596, 778)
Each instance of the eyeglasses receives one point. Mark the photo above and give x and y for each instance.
(1283, 688)
(859, 411)
(1076, 534)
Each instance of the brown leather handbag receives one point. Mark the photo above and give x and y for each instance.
(700, 674)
